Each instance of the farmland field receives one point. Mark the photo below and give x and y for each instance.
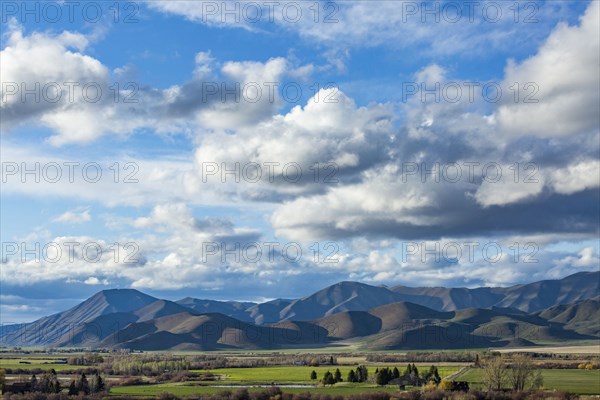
(575, 381)
(296, 378)
(587, 349)
(265, 376)
(33, 363)
(302, 374)
(572, 380)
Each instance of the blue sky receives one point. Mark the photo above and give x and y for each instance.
(370, 103)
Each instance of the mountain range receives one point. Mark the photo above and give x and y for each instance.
(371, 317)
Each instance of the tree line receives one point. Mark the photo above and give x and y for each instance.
(361, 374)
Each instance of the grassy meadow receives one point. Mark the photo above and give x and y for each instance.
(576, 381)
(46, 363)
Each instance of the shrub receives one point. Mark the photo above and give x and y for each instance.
(167, 396)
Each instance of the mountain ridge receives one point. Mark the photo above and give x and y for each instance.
(128, 318)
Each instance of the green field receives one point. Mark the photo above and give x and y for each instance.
(572, 380)
(265, 376)
(42, 363)
(301, 374)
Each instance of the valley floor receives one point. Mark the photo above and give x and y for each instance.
(559, 371)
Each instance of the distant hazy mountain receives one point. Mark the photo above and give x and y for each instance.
(539, 295)
(530, 298)
(233, 309)
(376, 317)
(343, 296)
(269, 312)
(355, 296)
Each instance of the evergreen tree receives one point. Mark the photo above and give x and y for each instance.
(396, 373)
(408, 370)
(362, 374)
(359, 377)
(380, 378)
(337, 376)
(313, 375)
(53, 382)
(96, 384)
(73, 389)
(101, 384)
(2, 380)
(431, 371)
(83, 385)
(415, 370)
(384, 376)
(351, 376)
(328, 379)
(34, 383)
(54, 386)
